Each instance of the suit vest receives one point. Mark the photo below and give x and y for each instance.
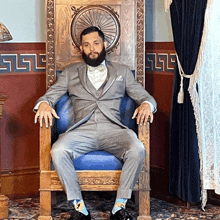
(97, 116)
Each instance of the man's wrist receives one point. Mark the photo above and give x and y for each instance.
(150, 104)
(38, 104)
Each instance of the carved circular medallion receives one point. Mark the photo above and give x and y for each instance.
(105, 18)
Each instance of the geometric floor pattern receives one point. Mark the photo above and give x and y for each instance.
(100, 204)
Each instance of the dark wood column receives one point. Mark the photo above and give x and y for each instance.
(3, 199)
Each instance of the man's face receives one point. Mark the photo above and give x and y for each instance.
(92, 48)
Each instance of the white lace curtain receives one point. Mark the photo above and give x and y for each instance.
(167, 4)
(206, 102)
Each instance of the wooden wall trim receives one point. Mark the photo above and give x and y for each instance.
(21, 171)
(21, 182)
(22, 46)
(159, 46)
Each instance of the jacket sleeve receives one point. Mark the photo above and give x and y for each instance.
(136, 91)
(55, 92)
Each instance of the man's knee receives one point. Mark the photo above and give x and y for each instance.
(137, 152)
(58, 152)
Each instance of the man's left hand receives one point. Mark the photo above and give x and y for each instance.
(143, 113)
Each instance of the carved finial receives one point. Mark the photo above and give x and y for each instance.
(4, 33)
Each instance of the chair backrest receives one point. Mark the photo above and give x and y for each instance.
(64, 109)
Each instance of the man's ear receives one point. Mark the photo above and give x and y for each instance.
(81, 48)
(105, 44)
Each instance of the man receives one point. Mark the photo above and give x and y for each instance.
(96, 88)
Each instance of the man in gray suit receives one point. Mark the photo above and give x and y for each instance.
(96, 88)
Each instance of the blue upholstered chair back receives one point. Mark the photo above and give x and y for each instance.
(97, 160)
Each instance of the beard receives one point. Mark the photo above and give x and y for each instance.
(94, 62)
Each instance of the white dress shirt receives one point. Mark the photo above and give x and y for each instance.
(97, 75)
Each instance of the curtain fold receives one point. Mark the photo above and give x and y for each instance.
(187, 18)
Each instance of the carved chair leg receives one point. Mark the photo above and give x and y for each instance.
(144, 205)
(45, 205)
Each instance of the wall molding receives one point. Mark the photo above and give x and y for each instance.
(22, 182)
(21, 171)
(22, 46)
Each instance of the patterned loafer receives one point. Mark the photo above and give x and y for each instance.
(122, 214)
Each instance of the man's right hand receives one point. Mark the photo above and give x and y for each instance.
(46, 112)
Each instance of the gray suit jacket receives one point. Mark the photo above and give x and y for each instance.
(73, 80)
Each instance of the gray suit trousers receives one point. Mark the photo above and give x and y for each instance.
(98, 133)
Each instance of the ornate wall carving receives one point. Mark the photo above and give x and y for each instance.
(105, 18)
(50, 42)
(141, 41)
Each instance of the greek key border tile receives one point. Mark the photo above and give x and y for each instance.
(160, 62)
(22, 63)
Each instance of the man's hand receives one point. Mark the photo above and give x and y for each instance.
(46, 112)
(142, 113)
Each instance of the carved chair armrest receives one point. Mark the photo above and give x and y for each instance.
(144, 178)
(45, 147)
(144, 137)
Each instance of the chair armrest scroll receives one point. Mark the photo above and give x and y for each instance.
(45, 147)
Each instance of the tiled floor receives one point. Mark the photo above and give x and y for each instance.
(100, 205)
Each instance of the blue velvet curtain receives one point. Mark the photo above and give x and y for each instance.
(187, 21)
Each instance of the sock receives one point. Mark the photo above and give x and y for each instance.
(119, 204)
(80, 206)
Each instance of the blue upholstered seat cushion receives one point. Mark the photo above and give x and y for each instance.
(97, 160)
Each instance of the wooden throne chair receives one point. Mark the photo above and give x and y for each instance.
(97, 171)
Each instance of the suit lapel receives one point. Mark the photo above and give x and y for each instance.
(82, 70)
(112, 76)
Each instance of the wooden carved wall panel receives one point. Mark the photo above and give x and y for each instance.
(128, 38)
(131, 48)
(50, 44)
(66, 50)
(141, 41)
